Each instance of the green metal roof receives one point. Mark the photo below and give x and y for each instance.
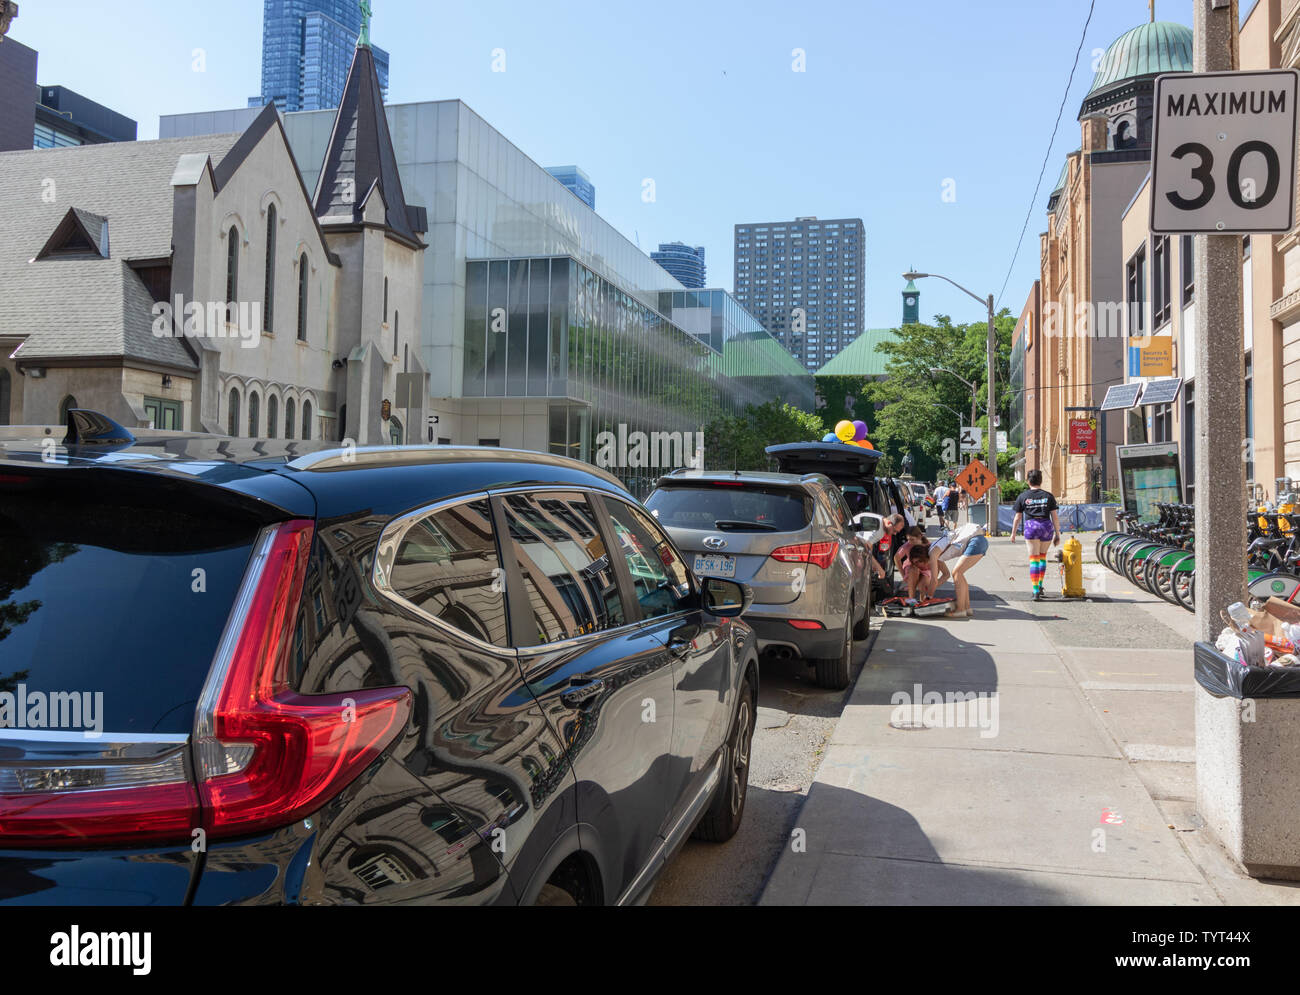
(1060, 180)
(755, 354)
(1159, 47)
(860, 357)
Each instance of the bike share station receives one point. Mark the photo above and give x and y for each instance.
(1223, 165)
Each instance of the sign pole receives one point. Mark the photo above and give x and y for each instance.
(1220, 389)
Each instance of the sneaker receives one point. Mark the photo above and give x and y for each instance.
(1038, 595)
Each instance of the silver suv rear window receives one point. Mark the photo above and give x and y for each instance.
(740, 507)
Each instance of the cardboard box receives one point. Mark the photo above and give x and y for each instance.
(1272, 614)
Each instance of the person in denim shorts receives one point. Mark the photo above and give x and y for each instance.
(967, 547)
(1042, 528)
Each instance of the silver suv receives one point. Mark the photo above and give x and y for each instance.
(791, 539)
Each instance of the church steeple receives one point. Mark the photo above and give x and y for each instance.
(359, 160)
(911, 304)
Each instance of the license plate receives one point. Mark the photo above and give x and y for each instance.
(715, 566)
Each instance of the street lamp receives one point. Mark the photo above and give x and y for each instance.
(974, 391)
(992, 355)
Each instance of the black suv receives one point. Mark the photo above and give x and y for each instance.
(260, 672)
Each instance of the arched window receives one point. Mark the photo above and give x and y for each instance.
(272, 416)
(306, 420)
(5, 391)
(385, 299)
(395, 430)
(302, 297)
(397, 323)
(68, 404)
(232, 413)
(268, 292)
(254, 414)
(232, 266)
(288, 418)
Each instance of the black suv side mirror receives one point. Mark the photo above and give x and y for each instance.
(726, 598)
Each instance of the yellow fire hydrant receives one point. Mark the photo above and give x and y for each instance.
(1072, 568)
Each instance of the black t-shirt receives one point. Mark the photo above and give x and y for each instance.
(1035, 503)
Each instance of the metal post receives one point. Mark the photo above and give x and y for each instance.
(1220, 387)
(993, 429)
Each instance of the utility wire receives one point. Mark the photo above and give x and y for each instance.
(1047, 156)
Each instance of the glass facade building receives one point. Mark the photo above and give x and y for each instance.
(576, 182)
(307, 47)
(549, 327)
(682, 261)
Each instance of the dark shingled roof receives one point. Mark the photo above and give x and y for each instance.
(88, 305)
(360, 156)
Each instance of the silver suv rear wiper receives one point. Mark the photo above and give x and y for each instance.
(724, 524)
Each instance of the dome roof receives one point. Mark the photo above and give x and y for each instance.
(1158, 47)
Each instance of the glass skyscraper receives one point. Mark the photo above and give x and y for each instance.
(578, 183)
(682, 261)
(307, 47)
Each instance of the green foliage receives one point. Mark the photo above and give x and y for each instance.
(737, 443)
(1009, 490)
(1110, 496)
(911, 417)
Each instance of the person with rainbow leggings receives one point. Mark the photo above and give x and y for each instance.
(1042, 528)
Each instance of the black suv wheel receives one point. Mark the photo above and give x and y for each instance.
(722, 819)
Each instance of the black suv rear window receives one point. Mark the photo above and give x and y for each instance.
(124, 597)
(731, 507)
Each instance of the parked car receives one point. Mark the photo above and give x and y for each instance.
(791, 539)
(901, 500)
(919, 491)
(853, 470)
(422, 674)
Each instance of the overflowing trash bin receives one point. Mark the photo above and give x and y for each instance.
(1248, 738)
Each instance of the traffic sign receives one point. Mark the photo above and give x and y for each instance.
(1223, 152)
(975, 479)
(972, 439)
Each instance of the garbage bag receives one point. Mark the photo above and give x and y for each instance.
(1224, 677)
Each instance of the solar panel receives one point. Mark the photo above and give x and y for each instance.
(1122, 395)
(1161, 391)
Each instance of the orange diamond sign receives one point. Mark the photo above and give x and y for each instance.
(975, 480)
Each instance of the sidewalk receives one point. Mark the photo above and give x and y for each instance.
(1068, 779)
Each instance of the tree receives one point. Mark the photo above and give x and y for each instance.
(737, 442)
(912, 418)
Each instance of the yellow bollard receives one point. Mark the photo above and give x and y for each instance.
(1072, 564)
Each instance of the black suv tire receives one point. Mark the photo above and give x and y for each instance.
(722, 819)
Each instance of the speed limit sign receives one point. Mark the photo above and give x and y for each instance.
(1223, 156)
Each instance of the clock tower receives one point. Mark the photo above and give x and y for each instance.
(911, 304)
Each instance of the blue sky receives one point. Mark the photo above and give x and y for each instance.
(894, 100)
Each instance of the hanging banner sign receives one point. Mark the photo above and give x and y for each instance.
(1083, 436)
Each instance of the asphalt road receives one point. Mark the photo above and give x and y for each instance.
(795, 720)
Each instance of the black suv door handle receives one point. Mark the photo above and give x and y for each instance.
(583, 693)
